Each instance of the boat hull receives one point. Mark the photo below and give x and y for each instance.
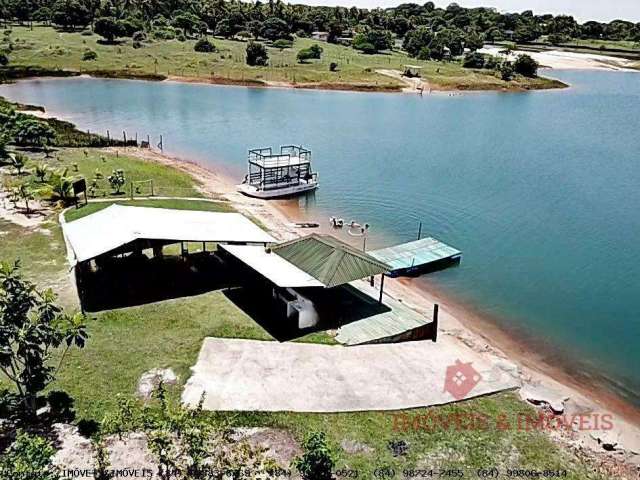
(291, 191)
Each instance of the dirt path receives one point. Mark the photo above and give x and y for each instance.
(413, 85)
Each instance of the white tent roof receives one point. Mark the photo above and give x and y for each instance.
(272, 266)
(117, 225)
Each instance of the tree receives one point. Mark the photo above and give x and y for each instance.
(506, 71)
(417, 39)
(525, 65)
(108, 28)
(377, 38)
(318, 460)
(70, 14)
(117, 180)
(257, 54)
(41, 171)
(60, 186)
(188, 23)
(26, 194)
(473, 60)
(4, 59)
(18, 161)
(32, 132)
(474, 41)
(204, 46)
(32, 327)
(275, 28)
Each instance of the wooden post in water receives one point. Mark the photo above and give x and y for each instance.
(419, 230)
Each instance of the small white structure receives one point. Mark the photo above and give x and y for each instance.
(322, 36)
(118, 225)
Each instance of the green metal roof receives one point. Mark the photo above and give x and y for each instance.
(329, 260)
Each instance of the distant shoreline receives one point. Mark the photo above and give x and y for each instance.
(34, 73)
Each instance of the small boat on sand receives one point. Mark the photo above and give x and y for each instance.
(283, 174)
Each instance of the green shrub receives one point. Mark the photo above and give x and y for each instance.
(313, 52)
(29, 457)
(424, 53)
(257, 54)
(4, 59)
(473, 60)
(139, 36)
(282, 43)
(318, 460)
(204, 46)
(117, 180)
(365, 47)
(525, 65)
(333, 66)
(89, 55)
(506, 71)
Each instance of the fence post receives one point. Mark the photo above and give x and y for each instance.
(436, 309)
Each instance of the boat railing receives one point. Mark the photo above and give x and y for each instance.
(264, 157)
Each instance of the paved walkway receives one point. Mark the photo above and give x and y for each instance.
(269, 376)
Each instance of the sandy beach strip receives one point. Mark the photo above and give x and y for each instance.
(561, 60)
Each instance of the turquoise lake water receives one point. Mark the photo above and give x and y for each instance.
(541, 190)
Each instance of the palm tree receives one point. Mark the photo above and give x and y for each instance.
(60, 186)
(41, 171)
(25, 192)
(18, 161)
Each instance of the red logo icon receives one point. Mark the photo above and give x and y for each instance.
(460, 379)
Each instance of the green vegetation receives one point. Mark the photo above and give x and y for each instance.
(33, 328)
(46, 51)
(29, 456)
(257, 55)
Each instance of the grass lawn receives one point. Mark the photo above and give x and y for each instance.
(89, 163)
(52, 49)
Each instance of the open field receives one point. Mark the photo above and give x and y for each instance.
(48, 48)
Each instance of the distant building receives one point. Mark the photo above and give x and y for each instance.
(322, 36)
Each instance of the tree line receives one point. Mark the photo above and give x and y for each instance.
(439, 30)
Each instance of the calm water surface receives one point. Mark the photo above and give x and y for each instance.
(541, 190)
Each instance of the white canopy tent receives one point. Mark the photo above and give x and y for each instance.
(117, 225)
(272, 266)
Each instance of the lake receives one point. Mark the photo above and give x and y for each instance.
(540, 190)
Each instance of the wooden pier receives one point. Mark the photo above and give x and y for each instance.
(419, 256)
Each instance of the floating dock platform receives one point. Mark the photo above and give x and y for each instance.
(419, 256)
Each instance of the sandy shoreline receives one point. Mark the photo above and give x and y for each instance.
(562, 60)
(456, 321)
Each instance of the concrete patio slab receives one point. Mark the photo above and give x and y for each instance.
(250, 375)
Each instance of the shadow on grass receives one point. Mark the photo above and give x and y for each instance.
(336, 307)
